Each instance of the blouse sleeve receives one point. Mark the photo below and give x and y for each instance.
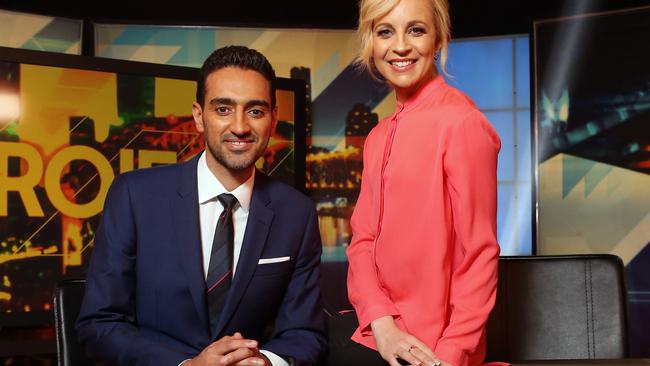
(470, 164)
(364, 289)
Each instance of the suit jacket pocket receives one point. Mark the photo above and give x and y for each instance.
(276, 268)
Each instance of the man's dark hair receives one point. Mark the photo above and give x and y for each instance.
(235, 56)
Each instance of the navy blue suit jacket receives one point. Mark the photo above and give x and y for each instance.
(145, 301)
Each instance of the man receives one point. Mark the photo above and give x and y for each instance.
(209, 262)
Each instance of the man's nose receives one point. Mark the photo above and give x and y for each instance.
(240, 125)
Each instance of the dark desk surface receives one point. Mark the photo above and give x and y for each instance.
(622, 362)
(27, 341)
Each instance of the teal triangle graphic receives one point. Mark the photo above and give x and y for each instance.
(613, 183)
(56, 36)
(196, 45)
(595, 176)
(135, 35)
(47, 44)
(573, 170)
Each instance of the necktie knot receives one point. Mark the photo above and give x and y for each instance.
(228, 201)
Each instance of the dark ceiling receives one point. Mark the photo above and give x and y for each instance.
(470, 18)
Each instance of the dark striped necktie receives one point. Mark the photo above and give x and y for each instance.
(221, 260)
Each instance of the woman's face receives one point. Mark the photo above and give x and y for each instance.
(404, 46)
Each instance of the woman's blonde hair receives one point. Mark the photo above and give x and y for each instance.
(372, 10)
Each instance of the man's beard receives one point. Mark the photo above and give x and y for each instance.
(235, 162)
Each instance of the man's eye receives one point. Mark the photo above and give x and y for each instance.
(222, 110)
(256, 113)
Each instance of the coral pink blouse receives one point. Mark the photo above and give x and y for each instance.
(424, 246)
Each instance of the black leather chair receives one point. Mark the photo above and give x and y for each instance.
(547, 308)
(334, 286)
(559, 307)
(67, 302)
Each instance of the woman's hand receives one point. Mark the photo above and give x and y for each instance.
(392, 343)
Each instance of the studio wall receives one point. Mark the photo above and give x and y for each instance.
(344, 105)
(39, 32)
(591, 124)
(592, 130)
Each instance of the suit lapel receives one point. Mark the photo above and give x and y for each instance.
(260, 217)
(185, 210)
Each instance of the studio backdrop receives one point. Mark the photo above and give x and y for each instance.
(78, 122)
(592, 127)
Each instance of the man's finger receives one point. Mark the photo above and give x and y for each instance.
(238, 355)
(226, 345)
(251, 361)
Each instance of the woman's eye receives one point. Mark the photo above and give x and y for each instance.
(417, 31)
(384, 33)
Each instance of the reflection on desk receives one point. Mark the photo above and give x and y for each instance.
(617, 362)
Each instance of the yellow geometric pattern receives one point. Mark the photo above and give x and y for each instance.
(613, 218)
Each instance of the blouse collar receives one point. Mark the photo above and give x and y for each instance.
(426, 92)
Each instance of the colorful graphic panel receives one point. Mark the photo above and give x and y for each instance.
(38, 32)
(495, 73)
(343, 105)
(592, 126)
(66, 131)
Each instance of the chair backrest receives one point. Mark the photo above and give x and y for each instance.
(558, 307)
(334, 286)
(68, 295)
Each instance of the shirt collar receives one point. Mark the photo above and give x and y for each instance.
(209, 186)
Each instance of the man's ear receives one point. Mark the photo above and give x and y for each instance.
(197, 112)
(275, 119)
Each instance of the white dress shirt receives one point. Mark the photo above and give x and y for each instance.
(210, 208)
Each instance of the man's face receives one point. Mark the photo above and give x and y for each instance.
(236, 119)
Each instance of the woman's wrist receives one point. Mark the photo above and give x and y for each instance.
(382, 324)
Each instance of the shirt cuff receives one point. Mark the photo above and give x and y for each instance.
(450, 354)
(275, 359)
(181, 364)
(372, 313)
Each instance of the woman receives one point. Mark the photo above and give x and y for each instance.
(423, 257)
